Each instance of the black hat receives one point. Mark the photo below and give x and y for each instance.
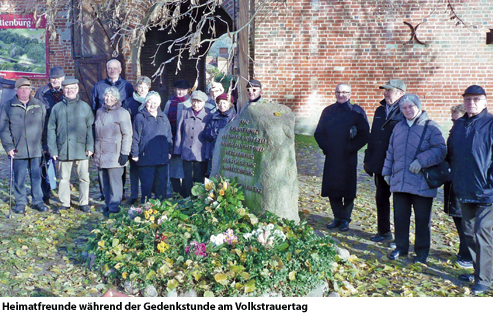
(254, 83)
(69, 81)
(183, 84)
(56, 72)
(474, 89)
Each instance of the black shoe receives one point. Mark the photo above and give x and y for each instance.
(344, 225)
(46, 200)
(85, 208)
(466, 277)
(133, 200)
(419, 260)
(62, 208)
(479, 289)
(124, 197)
(396, 254)
(41, 207)
(19, 209)
(101, 197)
(108, 213)
(392, 245)
(381, 237)
(334, 224)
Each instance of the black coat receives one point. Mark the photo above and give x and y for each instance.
(132, 106)
(215, 123)
(470, 154)
(152, 140)
(381, 130)
(341, 151)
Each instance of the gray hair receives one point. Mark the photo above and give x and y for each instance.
(113, 60)
(458, 108)
(112, 90)
(413, 98)
(344, 84)
(143, 80)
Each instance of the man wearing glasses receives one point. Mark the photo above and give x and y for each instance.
(71, 141)
(341, 131)
(22, 121)
(254, 92)
(470, 154)
(387, 115)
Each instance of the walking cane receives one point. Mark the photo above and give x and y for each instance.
(10, 186)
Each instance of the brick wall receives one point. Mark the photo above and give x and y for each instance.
(305, 48)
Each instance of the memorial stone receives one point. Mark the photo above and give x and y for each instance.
(257, 149)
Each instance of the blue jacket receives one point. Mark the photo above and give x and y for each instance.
(470, 154)
(215, 123)
(132, 106)
(124, 87)
(152, 140)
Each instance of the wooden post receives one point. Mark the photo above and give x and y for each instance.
(243, 58)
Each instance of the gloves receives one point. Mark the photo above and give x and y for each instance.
(415, 167)
(366, 167)
(123, 160)
(387, 179)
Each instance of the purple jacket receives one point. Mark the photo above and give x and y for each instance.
(401, 151)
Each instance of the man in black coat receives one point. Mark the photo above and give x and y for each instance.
(470, 151)
(22, 122)
(387, 115)
(342, 130)
(50, 94)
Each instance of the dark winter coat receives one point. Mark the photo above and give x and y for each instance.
(124, 87)
(381, 130)
(190, 137)
(22, 127)
(45, 95)
(152, 140)
(215, 123)
(400, 154)
(113, 136)
(470, 154)
(132, 106)
(333, 135)
(70, 132)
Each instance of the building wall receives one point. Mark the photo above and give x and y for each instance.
(305, 48)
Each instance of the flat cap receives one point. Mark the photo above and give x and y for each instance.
(224, 96)
(199, 95)
(183, 84)
(69, 81)
(56, 72)
(22, 82)
(394, 83)
(254, 83)
(474, 89)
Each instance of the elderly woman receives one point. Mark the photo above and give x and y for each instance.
(215, 90)
(216, 121)
(173, 110)
(152, 144)
(190, 141)
(451, 205)
(132, 104)
(113, 130)
(402, 172)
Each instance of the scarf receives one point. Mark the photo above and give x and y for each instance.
(173, 111)
(138, 98)
(56, 93)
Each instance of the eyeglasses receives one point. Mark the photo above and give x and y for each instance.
(343, 92)
(253, 90)
(71, 88)
(474, 99)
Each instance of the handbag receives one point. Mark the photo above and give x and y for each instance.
(436, 175)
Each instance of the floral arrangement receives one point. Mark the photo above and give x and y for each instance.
(211, 243)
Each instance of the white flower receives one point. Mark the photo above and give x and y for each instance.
(208, 200)
(270, 226)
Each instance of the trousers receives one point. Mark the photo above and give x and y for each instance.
(112, 187)
(20, 167)
(65, 169)
(156, 175)
(194, 172)
(342, 207)
(382, 199)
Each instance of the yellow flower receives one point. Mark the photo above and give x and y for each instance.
(162, 247)
(124, 275)
(151, 219)
(146, 215)
(221, 192)
(209, 186)
(101, 243)
(118, 265)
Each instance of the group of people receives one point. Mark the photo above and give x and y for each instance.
(122, 125)
(403, 142)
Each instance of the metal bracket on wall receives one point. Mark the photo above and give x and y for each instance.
(414, 37)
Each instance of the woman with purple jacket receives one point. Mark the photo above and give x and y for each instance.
(402, 171)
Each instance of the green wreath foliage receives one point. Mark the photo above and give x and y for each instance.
(212, 244)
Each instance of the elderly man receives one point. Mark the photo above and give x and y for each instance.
(254, 92)
(470, 150)
(386, 116)
(71, 141)
(215, 90)
(340, 133)
(113, 69)
(50, 95)
(22, 121)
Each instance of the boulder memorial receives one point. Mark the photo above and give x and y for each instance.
(257, 148)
